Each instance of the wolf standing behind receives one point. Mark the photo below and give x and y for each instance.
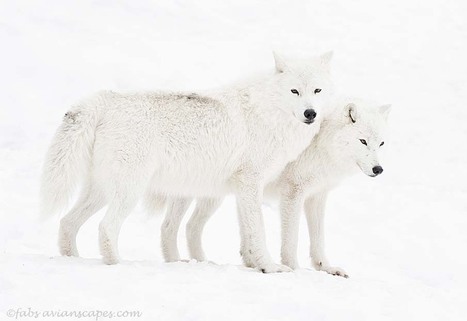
(235, 140)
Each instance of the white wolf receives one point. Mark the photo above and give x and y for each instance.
(349, 139)
(121, 146)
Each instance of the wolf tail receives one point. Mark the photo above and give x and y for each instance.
(68, 158)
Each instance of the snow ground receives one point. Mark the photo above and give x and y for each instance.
(401, 237)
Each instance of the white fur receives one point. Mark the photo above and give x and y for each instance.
(233, 140)
(335, 153)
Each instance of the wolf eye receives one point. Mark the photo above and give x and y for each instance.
(317, 90)
(295, 92)
(363, 142)
(382, 143)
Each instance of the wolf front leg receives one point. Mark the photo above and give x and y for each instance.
(314, 212)
(290, 206)
(252, 234)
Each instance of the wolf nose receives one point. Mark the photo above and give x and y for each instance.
(310, 114)
(377, 170)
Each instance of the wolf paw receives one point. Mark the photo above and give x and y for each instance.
(67, 245)
(109, 255)
(67, 240)
(66, 250)
(110, 260)
(274, 268)
(334, 270)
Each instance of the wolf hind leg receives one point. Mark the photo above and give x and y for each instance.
(169, 230)
(124, 196)
(205, 208)
(109, 228)
(88, 204)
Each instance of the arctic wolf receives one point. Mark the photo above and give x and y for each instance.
(233, 140)
(348, 140)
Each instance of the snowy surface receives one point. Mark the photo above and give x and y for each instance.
(402, 237)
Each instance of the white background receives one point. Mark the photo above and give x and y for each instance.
(402, 237)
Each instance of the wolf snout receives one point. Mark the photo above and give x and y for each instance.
(377, 170)
(310, 115)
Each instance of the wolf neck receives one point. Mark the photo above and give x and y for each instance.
(324, 152)
(263, 93)
(258, 94)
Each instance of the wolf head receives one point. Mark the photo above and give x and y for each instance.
(362, 136)
(303, 86)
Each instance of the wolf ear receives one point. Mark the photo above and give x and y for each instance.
(384, 110)
(281, 65)
(351, 112)
(326, 57)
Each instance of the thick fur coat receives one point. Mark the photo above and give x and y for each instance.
(119, 147)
